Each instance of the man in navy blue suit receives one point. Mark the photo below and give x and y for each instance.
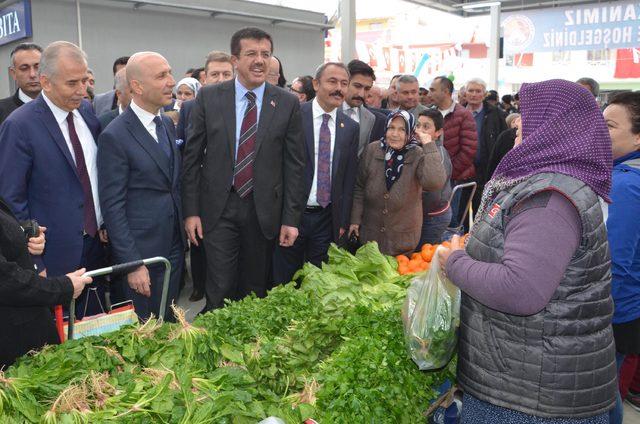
(139, 169)
(331, 140)
(48, 163)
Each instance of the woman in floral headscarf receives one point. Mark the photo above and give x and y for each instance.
(536, 344)
(387, 199)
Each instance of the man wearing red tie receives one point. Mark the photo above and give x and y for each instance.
(48, 163)
(243, 182)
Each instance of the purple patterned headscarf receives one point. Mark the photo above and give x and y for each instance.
(563, 131)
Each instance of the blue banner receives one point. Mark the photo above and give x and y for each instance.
(581, 27)
(15, 22)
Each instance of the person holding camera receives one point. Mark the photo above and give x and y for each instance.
(26, 321)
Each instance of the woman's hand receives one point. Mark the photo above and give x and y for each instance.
(423, 136)
(354, 229)
(443, 255)
(36, 244)
(79, 281)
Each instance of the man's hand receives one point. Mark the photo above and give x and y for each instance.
(193, 227)
(36, 244)
(78, 281)
(140, 282)
(288, 235)
(443, 256)
(354, 229)
(43, 273)
(104, 236)
(341, 232)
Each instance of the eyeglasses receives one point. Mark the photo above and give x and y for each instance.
(293, 90)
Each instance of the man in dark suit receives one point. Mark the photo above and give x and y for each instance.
(139, 169)
(330, 173)
(372, 124)
(123, 94)
(25, 59)
(248, 188)
(218, 68)
(48, 163)
(107, 101)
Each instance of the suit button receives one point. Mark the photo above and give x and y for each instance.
(384, 212)
(81, 233)
(386, 195)
(382, 230)
(80, 205)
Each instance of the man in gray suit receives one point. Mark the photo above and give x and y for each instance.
(408, 90)
(123, 95)
(243, 181)
(361, 78)
(108, 101)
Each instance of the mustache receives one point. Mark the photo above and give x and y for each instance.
(358, 98)
(337, 93)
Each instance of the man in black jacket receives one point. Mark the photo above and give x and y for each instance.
(25, 59)
(489, 124)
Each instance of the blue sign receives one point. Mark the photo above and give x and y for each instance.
(582, 27)
(15, 22)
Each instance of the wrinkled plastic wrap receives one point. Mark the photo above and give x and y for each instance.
(431, 315)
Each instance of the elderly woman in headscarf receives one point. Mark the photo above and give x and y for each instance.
(536, 344)
(186, 89)
(387, 198)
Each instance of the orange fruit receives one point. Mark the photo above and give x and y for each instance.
(403, 269)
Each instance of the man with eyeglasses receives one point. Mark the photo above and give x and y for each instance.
(25, 59)
(243, 179)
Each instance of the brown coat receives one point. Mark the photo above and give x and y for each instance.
(394, 218)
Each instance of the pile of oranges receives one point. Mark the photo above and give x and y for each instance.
(420, 261)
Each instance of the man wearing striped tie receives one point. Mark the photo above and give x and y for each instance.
(243, 185)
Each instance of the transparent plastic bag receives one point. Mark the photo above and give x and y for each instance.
(431, 315)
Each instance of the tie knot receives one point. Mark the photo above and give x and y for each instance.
(325, 118)
(70, 117)
(158, 120)
(251, 96)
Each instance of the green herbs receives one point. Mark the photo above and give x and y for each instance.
(332, 350)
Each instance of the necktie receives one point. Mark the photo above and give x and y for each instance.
(324, 163)
(243, 170)
(90, 224)
(163, 138)
(353, 114)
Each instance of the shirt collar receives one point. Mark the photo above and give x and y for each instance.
(145, 117)
(345, 107)
(241, 90)
(445, 112)
(318, 111)
(58, 113)
(475, 111)
(23, 96)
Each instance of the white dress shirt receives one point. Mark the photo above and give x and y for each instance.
(89, 147)
(317, 113)
(445, 112)
(146, 119)
(352, 112)
(22, 96)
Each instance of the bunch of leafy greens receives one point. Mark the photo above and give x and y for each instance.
(329, 347)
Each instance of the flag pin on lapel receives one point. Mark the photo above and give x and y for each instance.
(341, 124)
(273, 103)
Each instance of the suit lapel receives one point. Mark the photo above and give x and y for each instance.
(91, 121)
(337, 148)
(228, 107)
(308, 134)
(269, 105)
(52, 126)
(171, 132)
(366, 125)
(147, 142)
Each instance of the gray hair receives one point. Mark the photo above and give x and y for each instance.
(406, 79)
(477, 81)
(120, 80)
(54, 51)
(512, 117)
(593, 85)
(320, 70)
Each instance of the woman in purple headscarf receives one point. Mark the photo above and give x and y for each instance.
(536, 344)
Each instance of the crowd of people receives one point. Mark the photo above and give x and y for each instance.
(254, 177)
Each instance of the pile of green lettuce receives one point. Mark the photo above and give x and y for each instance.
(329, 346)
